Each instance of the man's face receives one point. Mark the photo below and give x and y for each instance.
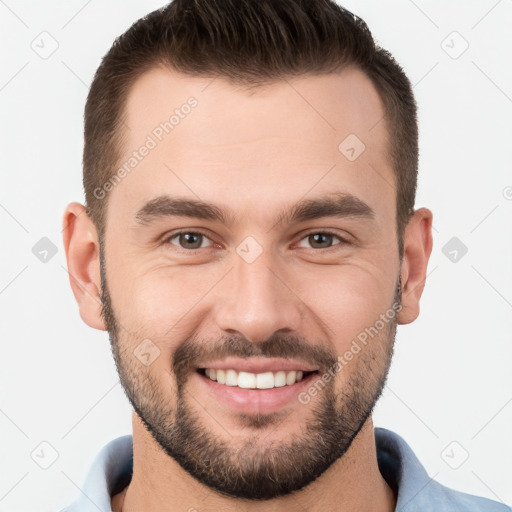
(260, 291)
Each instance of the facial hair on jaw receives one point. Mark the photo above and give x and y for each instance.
(258, 469)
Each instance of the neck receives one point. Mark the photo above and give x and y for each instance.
(354, 482)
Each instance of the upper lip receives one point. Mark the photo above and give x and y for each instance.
(258, 365)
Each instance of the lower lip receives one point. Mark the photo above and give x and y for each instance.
(255, 401)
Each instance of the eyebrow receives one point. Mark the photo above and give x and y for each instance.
(342, 205)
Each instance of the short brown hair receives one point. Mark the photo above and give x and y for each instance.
(248, 42)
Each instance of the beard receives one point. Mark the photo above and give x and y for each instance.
(255, 468)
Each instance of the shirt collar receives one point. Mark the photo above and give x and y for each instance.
(111, 472)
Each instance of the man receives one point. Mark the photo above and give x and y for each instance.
(280, 143)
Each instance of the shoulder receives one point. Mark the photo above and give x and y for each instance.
(415, 489)
(109, 473)
(444, 498)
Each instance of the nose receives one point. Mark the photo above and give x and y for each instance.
(257, 300)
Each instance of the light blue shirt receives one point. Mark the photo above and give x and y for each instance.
(111, 472)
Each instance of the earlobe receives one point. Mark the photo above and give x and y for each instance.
(81, 244)
(417, 250)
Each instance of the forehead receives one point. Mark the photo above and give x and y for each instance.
(345, 102)
(217, 141)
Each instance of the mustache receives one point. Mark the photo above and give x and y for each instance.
(191, 353)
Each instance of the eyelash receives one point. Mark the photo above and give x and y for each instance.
(171, 236)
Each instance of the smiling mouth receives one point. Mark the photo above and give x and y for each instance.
(247, 380)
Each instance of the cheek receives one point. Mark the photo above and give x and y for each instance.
(347, 299)
(167, 304)
(160, 301)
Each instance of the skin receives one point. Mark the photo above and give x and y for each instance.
(255, 153)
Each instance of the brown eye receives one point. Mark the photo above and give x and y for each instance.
(188, 240)
(321, 240)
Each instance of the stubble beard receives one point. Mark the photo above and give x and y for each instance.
(257, 467)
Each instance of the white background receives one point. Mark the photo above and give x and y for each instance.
(450, 380)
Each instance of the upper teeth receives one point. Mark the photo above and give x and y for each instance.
(248, 380)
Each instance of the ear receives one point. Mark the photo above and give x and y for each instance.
(417, 249)
(82, 253)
